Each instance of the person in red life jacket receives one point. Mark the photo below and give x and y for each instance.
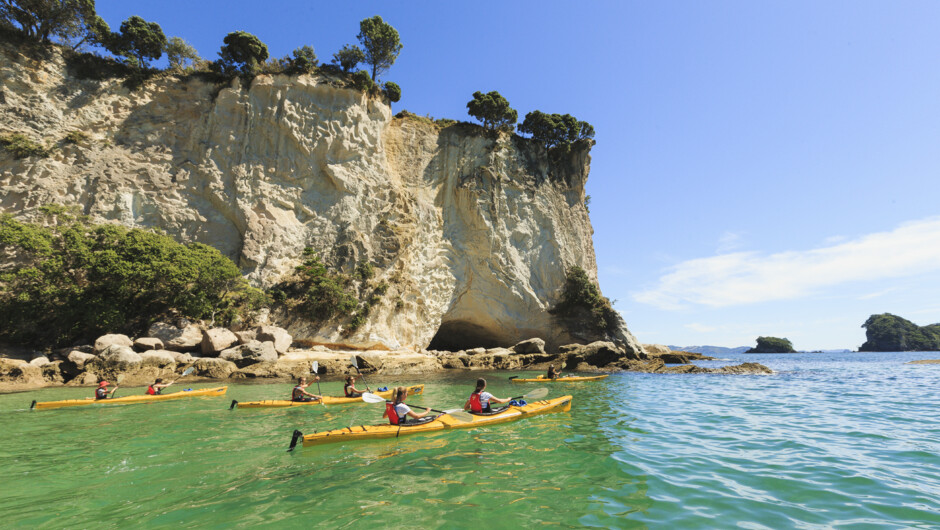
(397, 412)
(157, 387)
(299, 393)
(350, 387)
(102, 391)
(480, 401)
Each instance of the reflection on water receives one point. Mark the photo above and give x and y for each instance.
(831, 440)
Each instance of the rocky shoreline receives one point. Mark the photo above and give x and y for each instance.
(266, 352)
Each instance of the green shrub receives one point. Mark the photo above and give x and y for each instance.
(21, 146)
(399, 304)
(381, 289)
(365, 271)
(348, 57)
(361, 80)
(581, 298)
(392, 92)
(76, 137)
(78, 280)
(442, 123)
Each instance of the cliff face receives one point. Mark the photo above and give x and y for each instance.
(472, 234)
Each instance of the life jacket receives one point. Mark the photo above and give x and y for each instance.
(295, 393)
(347, 392)
(475, 405)
(152, 391)
(392, 413)
(101, 393)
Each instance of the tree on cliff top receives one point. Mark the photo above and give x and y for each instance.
(552, 130)
(140, 40)
(492, 109)
(772, 345)
(349, 57)
(180, 54)
(380, 44)
(242, 51)
(43, 19)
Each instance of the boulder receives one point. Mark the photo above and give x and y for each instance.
(500, 351)
(181, 358)
(474, 351)
(84, 379)
(246, 336)
(279, 336)
(276, 369)
(20, 372)
(217, 339)
(42, 360)
(148, 343)
(599, 354)
(158, 358)
(656, 349)
(105, 341)
(533, 345)
(52, 372)
(188, 338)
(214, 367)
(250, 353)
(79, 358)
(119, 358)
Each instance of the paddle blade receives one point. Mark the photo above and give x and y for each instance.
(354, 362)
(459, 415)
(120, 378)
(372, 398)
(538, 393)
(188, 371)
(315, 369)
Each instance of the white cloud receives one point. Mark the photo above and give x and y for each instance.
(729, 241)
(749, 277)
(700, 328)
(876, 294)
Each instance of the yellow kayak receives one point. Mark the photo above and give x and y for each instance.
(146, 398)
(327, 400)
(572, 379)
(367, 432)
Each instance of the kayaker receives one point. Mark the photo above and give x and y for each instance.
(299, 393)
(102, 391)
(480, 401)
(157, 387)
(350, 387)
(552, 374)
(397, 412)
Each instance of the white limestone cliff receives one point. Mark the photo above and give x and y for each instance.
(473, 234)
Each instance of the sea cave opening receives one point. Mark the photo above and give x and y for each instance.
(456, 335)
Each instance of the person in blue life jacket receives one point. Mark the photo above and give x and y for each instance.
(102, 391)
(397, 412)
(350, 390)
(480, 399)
(157, 387)
(300, 394)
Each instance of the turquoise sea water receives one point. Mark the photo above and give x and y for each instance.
(832, 440)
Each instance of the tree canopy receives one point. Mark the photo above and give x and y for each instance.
(552, 130)
(304, 59)
(492, 109)
(43, 19)
(582, 298)
(141, 40)
(887, 332)
(180, 54)
(243, 51)
(349, 57)
(392, 91)
(380, 44)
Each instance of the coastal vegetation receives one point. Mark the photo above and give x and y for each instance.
(581, 298)
(72, 279)
(887, 332)
(22, 146)
(772, 345)
(493, 110)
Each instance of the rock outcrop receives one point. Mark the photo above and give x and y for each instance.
(473, 234)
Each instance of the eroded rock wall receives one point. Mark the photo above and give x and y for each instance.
(473, 234)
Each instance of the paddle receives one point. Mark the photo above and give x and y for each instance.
(538, 393)
(120, 378)
(186, 372)
(457, 414)
(315, 369)
(355, 364)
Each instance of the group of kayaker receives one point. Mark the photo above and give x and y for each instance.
(154, 389)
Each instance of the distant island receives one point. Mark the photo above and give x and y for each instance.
(887, 332)
(772, 345)
(710, 350)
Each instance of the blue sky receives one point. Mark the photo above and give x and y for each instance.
(761, 168)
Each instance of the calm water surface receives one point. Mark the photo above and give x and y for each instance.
(832, 440)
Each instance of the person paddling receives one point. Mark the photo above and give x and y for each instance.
(552, 374)
(397, 412)
(102, 391)
(299, 393)
(480, 401)
(157, 387)
(350, 387)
